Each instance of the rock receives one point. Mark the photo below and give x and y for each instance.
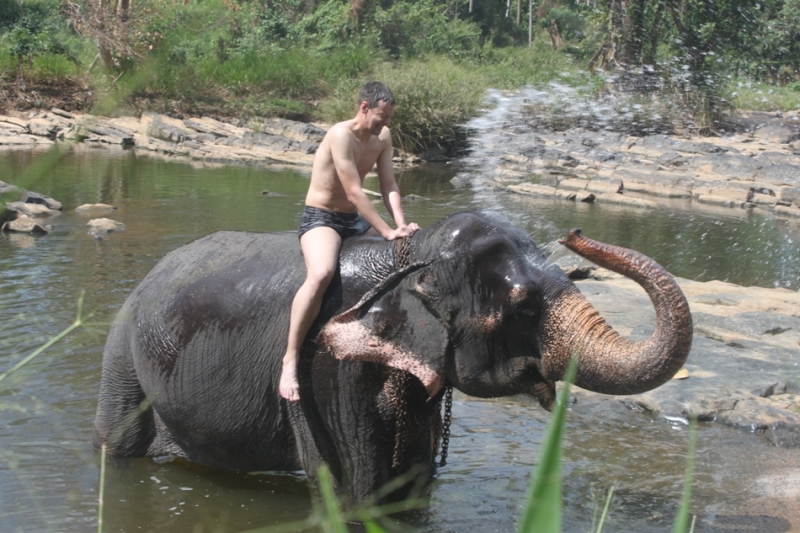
(25, 224)
(789, 194)
(93, 208)
(781, 428)
(294, 130)
(601, 186)
(672, 159)
(763, 199)
(415, 198)
(792, 211)
(681, 374)
(777, 134)
(621, 199)
(62, 113)
(784, 173)
(101, 226)
(573, 184)
(31, 210)
(30, 197)
(167, 129)
(533, 189)
(43, 128)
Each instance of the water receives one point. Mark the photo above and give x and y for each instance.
(49, 474)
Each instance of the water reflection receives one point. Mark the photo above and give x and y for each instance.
(48, 473)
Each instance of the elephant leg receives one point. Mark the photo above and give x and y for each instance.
(125, 421)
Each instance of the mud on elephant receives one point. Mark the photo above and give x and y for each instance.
(192, 362)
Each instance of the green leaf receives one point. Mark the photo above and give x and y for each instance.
(542, 512)
(682, 519)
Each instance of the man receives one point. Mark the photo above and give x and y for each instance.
(337, 208)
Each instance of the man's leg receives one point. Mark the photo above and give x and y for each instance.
(321, 254)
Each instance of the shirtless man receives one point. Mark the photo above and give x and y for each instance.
(337, 208)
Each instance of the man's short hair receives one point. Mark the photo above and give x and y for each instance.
(374, 92)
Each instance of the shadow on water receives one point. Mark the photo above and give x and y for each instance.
(48, 472)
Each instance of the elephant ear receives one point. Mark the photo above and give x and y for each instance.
(392, 325)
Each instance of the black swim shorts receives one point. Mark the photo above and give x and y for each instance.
(345, 224)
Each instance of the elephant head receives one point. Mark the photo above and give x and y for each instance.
(482, 309)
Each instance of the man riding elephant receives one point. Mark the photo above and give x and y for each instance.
(336, 207)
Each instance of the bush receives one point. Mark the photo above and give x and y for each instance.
(435, 96)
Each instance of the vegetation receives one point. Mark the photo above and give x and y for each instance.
(304, 58)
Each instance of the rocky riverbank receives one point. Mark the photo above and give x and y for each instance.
(744, 367)
(754, 165)
(206, 139)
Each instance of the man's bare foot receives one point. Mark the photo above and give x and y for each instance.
(288, 387)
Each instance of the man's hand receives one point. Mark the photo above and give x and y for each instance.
(405, 230)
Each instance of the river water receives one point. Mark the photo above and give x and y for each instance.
(49, 474)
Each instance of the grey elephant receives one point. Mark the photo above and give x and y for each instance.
(192, 362)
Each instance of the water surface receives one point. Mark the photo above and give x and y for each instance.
(49, 474)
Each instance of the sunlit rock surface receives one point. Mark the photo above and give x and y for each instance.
(555, 142)
(744, 366)
(207, 139)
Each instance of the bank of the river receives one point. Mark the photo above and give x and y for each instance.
(755, 164)
(744, 367)
(743, 372)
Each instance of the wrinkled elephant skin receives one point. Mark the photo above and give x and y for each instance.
(192, 362)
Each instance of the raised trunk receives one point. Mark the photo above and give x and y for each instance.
(610, 363)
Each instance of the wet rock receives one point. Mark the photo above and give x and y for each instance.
(30, 197)
(415, 198)
(621, 199)
(26, 224)
(99, 227)
(31, 209)
(94, 208)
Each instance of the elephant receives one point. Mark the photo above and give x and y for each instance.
(192, 361)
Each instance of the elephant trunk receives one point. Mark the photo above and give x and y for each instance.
(610, 363)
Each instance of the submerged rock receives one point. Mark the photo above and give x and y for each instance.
(99, 227)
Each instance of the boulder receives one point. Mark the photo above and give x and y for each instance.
(31, 210)
(94, 208)
(25, 224)
(102, 226)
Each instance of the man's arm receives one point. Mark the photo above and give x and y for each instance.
(389, 188)
(347, 171)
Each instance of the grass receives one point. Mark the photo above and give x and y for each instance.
(80, 320)
(760, 96)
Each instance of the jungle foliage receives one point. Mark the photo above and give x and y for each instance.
(303, 58)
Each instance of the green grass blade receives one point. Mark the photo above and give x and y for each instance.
(605, 510)
(682, 519)
(542, 513)
(102, 488)
(335, 522)
(79, 321)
